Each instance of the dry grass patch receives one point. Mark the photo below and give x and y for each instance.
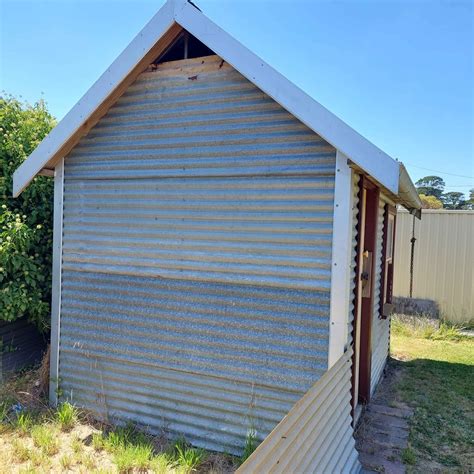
(35, 438)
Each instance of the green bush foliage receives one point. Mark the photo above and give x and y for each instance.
(26, 223)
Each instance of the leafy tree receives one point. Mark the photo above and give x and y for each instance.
(431, 186)
(430, 202)
(453, 200)
(25, 222)
(470, 202)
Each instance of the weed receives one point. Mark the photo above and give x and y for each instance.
(29, 469)
(425, 328)
(98, 441)
(161, 464)
(23, 422)
(3, 412)
(76, 445)
(87, 461)
(249, 446)
(131, 457)
(66, 416)
(21, 452)
(130, 448)
(39, 459)
(65, 461)
(190, 458)
(408, 456)
(45, 438)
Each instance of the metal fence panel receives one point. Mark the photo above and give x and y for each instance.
(444, 260)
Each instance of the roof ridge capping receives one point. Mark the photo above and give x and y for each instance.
(172, 16)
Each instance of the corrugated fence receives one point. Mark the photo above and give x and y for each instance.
(316, 436)
(444, 260)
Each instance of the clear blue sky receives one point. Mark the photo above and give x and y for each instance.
(399, 72)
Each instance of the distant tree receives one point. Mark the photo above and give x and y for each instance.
(430, 186)
(453, 200)
(430, 202)
(470, 202)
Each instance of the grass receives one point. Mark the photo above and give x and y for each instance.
(66, 416)
(436, 365)
(250, 445)
(35, 438)
(45, 438)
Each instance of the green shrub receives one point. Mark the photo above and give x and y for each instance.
(25, 222)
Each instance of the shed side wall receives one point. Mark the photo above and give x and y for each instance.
(196, 257)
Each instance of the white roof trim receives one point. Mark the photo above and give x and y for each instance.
(364, 154)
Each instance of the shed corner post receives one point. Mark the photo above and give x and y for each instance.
(340, 262)
(56, 282)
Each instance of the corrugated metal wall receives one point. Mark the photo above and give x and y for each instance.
(316, 436)
(444, 256)
(196, 257)
(355, 219)
(380, 327)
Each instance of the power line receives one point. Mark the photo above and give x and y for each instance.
(459, 185)
(442, 172)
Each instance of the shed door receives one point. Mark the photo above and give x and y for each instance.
(196, 257)
(365, 290)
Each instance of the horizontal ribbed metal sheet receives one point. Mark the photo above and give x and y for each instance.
(196, 258)
(316, 436)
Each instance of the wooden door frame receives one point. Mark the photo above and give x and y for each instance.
(369, 195)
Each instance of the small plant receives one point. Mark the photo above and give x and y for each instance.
(23, 422)
(87, 461)
(66, 416)
(162, 464)
(185, 456)
(3, 412)
(76, 445)
(98, 441)
(249, 446)
(21, 452)
(40, 459)
(408, 456)
(44, 438)
(134, 457)
(190, 458)
(65, 461)
(29, 469)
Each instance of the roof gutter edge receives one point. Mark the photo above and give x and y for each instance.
(408, 194)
